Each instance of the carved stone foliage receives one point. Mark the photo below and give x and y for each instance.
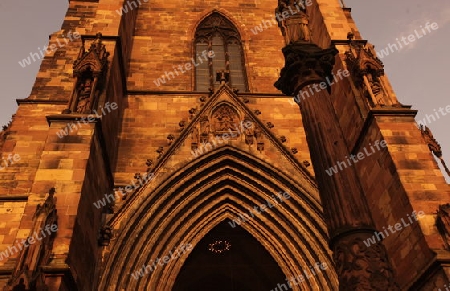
(5, 132)
(294, 27)
(305, 63)
(28, 272)
(433, 145)
(89, 71)
(225, 119)
(367, 72)
(106, 234)
(362, 267)
(443, 223)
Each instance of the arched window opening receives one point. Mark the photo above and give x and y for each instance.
(216, 33)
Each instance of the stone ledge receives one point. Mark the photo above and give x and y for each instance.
(14, 198)
(347, 42)
(72, 117)
(6, 270)
(40, 101)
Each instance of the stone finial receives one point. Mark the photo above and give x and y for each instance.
(223, 76)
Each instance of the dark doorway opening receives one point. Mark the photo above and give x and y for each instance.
(229, 259)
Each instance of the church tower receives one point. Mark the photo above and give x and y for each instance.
(218, 145)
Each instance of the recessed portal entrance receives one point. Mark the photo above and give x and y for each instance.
(229, 259)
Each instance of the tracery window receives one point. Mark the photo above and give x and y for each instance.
(218, 34)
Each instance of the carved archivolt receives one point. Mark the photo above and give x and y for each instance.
(202, 195)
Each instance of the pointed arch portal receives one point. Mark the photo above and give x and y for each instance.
(228, 258)
(195, 205)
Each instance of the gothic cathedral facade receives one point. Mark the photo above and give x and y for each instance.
(218, 145)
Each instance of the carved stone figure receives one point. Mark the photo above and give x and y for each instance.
(376, 88)
(84, 102)
(367, 72)
(294, 27)
(249, 134)
(225, 119)
(259, 139)
(195, 135)
(204, 129)
(195, 138)
(204, 126)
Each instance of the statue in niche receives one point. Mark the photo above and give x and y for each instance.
(84, 97)
(205, 129)
(225, 119)
(89, 69)
(195, 138)
(259, 138)
(249, 134)
(195, 135)
(294, 27)
(258, 134)
(375, 86)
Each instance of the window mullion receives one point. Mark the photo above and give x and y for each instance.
(210, 64)
(227, 58)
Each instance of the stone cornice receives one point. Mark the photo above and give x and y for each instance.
(14, 198)
(40, 101)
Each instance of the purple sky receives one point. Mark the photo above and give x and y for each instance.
(417, 72)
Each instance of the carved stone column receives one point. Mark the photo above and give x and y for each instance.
(347, 215)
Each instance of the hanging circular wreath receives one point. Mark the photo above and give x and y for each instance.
(219, 246)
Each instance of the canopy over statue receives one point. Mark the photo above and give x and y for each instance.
(293, 21)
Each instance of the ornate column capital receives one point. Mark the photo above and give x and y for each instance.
(305, 64)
